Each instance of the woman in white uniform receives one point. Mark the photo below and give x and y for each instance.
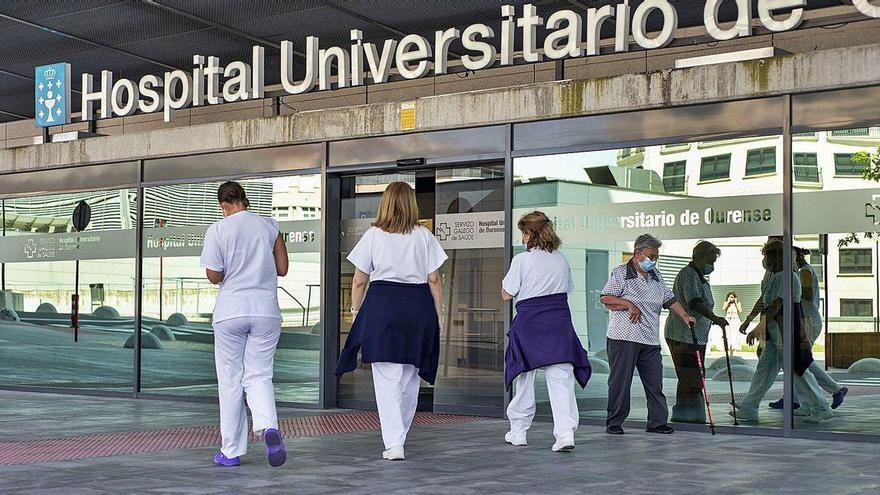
(542, 335)
(770, 361)
(397, 324)
(245, 253)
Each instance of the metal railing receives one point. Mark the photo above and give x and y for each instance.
(672, 146)
(305, 311)
(627, 152)
(858, 132)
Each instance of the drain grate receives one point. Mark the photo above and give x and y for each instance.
(191, 437)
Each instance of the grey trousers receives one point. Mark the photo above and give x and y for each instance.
(623, 358)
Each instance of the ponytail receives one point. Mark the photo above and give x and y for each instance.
(232, 193)
(541, 233)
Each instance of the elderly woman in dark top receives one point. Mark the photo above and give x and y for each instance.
(692, 291)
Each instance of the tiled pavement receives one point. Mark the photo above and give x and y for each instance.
(462, 458)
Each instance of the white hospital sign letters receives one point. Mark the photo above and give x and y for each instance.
(570, 34)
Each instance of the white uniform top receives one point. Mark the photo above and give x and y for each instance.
(773, 291)
(538, 273)
(241, 246)
(811, 308)
(404, 258)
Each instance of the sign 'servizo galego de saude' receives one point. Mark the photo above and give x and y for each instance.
(570, 34)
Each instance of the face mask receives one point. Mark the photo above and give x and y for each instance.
(647, 264)
(709, 268)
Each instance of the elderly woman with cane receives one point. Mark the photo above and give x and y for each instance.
(542, 335)
(692, 291)
(635, 294)
(397, 324)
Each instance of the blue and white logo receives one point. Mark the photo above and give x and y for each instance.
(52, 94)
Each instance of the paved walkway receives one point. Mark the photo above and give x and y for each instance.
(159, 447)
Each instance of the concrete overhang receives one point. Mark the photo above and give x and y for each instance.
(789, 74)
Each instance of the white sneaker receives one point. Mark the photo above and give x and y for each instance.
(819, 415)
(563, 445)
(516, 438)
(803, 411)
(394, 454)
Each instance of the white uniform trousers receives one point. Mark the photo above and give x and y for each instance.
(560, 386)
(769, 364)
(244, 352)
(823, 379)
(397, 395)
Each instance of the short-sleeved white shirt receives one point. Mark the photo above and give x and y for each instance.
(404, 258)
(241, 246)
(774, 288)
(537, 273)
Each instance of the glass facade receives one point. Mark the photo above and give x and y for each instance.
(178, 299)
(600, 204)
(45, 263)
(726, 186)
(843, 252)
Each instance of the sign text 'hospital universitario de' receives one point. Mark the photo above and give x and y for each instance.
(570, 34)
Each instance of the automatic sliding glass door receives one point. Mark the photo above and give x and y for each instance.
(464, 207)
(360, 197)
(469, 223)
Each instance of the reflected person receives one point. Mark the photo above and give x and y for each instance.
(245, 253)
(691, 289)
(812, 325)
(635, 294)
(732, 309)
(770, 360)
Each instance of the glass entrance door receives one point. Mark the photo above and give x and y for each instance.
(464, 207)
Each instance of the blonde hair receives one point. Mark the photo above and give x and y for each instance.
(540, 230)
(398, 210)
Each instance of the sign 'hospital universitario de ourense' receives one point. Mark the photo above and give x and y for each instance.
(570, 35)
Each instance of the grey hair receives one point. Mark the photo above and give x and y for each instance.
(647, 241)
(704, 249)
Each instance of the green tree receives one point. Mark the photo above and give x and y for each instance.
(871, 172)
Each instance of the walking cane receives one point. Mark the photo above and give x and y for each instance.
(729, 374)
(702, 377)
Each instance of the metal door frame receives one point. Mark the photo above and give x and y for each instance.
(332, 264)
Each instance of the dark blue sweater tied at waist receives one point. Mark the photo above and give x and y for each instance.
(542, 334)
(397, 323)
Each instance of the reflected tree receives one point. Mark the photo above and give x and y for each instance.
(870, 171)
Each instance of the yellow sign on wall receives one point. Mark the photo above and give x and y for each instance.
(407, 115)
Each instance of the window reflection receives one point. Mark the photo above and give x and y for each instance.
(837, 220)
(727, 192)
(179, 301)
(40, 250)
